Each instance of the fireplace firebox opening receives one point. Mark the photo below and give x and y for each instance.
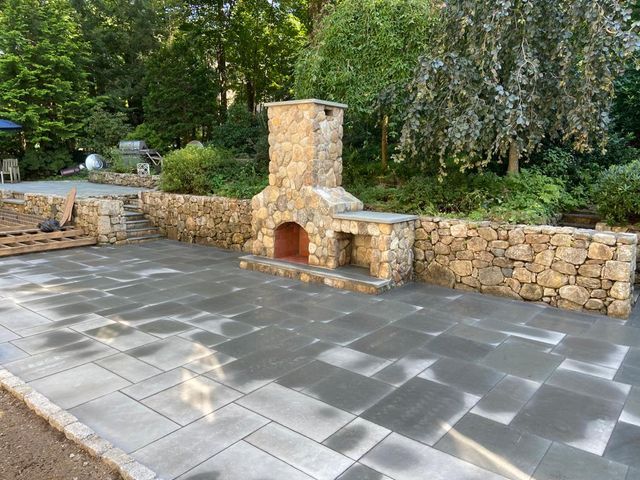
(292, 243)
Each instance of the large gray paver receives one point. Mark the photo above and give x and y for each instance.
(188, 447)
(53, 361)
(506, 399)
(306, 455)
(128, 367)
(124, 421)
(357, 438)
(494, 446)
(565, 463)
(300, 413)
(404, 459)
(79, 385)
(246, 462)
(421, 409)
(170, 353)
(577, 420)
(487, 379)
(191, 400)
(62, 187)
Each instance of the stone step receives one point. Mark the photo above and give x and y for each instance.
(580, 218)
(142, 232)
(13, 201)
(349, 277)
(133, 223)
(577, 225)
(146, 238)
(134, 215)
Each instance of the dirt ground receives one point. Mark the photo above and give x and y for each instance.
(30, 449)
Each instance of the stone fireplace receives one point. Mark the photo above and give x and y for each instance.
(305, 217)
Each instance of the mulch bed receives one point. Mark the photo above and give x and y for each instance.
(31, 449)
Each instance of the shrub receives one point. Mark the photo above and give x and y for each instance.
(37, 163)
(117, 162)
(103, 130)
(617, 193)
(526, 198)
(209, 170)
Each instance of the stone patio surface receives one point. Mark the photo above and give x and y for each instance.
(62, 187)
(204, 371)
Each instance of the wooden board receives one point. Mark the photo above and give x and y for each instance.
(68, 207)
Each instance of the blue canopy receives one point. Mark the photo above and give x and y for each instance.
(9, 125)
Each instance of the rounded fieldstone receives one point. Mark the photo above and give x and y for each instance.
(575, 294)
(522, 252)
(599, 251)
(552, 279)
(577, 256)
(490, 276)
(531, 291)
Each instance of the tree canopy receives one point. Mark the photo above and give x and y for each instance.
(504, 76)
(43, 82)
(363, 53)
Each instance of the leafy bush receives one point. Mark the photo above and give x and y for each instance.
(209, 170)
(618, 193)
(102, 130)
(152, 138)
(526, 198)
(37, 163)
(117, 162)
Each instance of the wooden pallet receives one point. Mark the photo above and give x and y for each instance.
(32, 240)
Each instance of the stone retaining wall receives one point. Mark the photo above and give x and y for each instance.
(219, 221)
(124, 179)
(564, 267)
(634, 229)
(102, 218)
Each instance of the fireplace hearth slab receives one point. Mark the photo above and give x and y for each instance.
(375, 217)
(348, 277)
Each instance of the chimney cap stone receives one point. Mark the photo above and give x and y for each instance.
(306, 100)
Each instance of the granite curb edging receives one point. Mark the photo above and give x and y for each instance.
(74, 430)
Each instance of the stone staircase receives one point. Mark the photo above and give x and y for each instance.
(139, 228)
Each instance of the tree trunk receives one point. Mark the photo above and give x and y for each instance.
(251, 96)
(384, 142)
(514, 159)
(222, 78)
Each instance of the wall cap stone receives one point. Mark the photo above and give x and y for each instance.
(304, 101)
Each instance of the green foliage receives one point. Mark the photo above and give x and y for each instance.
(242, 132)
(43, 85)
(209, 170)
(264, 39)
(102, 130)
(152, 138)
(116, 161)
(180, 103)
(363, 54)
(526, 198)
(38, 164)
(504, 75)
(121, 35)
(617, 194)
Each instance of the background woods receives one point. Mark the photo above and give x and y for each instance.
(443, 98)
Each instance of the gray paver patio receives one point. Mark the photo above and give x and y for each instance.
(62, 187)
(202, 370)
